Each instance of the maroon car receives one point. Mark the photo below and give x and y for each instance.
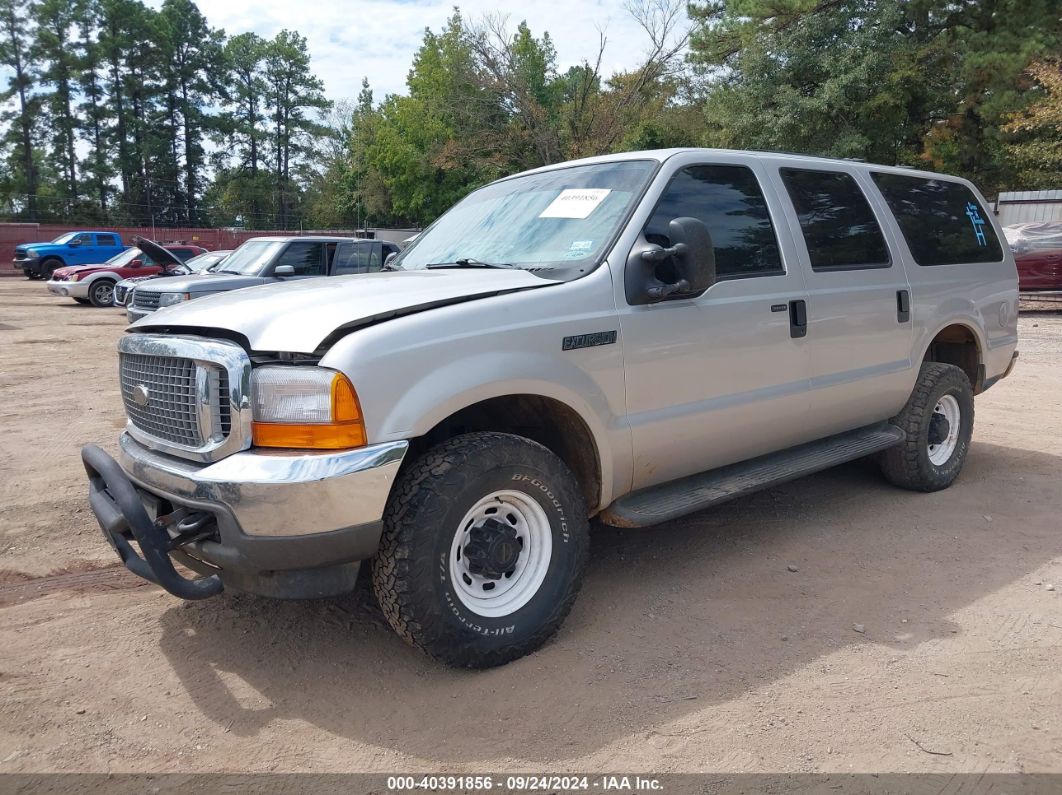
(1037, 248)
(1039, 270)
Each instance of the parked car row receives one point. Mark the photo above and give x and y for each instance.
(148, 276)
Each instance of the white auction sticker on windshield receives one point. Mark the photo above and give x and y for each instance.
(575, 203)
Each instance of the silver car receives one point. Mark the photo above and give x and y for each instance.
(633, 337)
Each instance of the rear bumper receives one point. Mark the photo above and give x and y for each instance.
(69, 289)
(285, 525)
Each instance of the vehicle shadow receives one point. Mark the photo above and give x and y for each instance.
(671, 620)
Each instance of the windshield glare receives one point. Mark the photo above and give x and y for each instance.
(65, 238)
(557, 220)
(250, 258)
(127, 256)
(202, 262)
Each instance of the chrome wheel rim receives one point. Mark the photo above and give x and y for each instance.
(104, 293)
(519, 519)
(941, 451)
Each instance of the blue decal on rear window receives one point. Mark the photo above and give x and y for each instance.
(973, 212)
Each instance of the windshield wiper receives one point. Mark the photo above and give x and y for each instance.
(467, 262)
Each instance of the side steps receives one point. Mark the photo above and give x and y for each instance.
(694, 493)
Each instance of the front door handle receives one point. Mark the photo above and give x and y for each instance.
(903, 306)
(798, 318)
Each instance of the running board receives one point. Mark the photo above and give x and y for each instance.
(694, 493)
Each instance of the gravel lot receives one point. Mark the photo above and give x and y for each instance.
(694, 646)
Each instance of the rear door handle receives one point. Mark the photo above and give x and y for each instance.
(903, 306)
(798, 318)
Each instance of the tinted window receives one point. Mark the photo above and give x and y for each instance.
(357, 258)
(305, 258)
(106, 240)
(942, 221)
(729, 201)
(183, 254)
(838, 225)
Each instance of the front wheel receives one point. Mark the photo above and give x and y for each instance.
(938, 423)
(484, 544)
(102, 293)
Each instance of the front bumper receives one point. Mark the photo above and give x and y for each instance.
(69, 289)
(133, 314)
(279, 524)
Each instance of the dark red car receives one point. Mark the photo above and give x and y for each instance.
(94, 284)
(1039, 270)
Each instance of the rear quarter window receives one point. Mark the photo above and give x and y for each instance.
(942, 221)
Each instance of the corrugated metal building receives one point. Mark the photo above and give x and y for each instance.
(1016, 207)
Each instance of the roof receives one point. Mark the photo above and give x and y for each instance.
(311, 238)
(662, 155)
(1031, 196)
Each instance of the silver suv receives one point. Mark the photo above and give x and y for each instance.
(633, 337)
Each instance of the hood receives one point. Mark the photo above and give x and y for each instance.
(298, 316)
(203, 282)
(155, 251)
(68, 270)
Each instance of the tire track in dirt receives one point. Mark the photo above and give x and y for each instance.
(18, 588)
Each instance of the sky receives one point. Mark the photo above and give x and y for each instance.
(351, 39)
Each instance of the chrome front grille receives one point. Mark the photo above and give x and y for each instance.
(160, 395)
(120, 295)
(145, 300)
(186, 396)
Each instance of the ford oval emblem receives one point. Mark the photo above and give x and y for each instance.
(141, 395)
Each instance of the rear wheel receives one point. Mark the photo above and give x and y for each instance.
(938, 423)
(101, 293)
(485, 541)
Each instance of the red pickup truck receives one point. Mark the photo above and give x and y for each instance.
(94, 284)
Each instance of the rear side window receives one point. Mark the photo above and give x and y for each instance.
(361, 257)
(106, 240)
(728, 200)
(942, 221)
(839, 227)
(183, 254)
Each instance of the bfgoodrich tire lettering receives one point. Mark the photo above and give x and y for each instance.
(908, 464)
(412, 572)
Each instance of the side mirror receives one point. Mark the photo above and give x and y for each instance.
(390, 258)
(74, 243)
(136, 263)
(685, 268)
(284, 270)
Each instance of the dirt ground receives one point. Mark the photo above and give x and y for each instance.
(693, 646)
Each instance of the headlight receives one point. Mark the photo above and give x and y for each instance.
(72, 277)
(32, 254)
(305, 407)
(169, 299)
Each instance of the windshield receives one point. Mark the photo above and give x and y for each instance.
(127, 256)
(558, 220)
(203, 262)
(65, 238)
(250, 258)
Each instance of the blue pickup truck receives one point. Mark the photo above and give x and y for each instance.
(38, 260)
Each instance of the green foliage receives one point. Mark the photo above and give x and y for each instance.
(113, 111)
(926, 82)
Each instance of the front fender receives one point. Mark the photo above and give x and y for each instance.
(442, 392)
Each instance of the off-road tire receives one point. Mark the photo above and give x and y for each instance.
(907, 464)
(411, 574)
(99, 301)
